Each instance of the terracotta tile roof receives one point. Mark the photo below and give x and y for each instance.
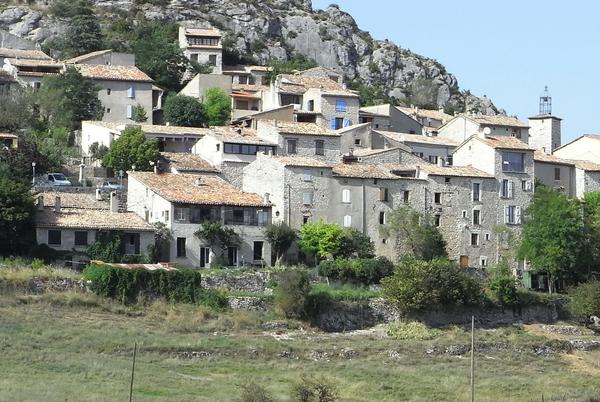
(539, 156)
(455, 171)
(416, 138)
(376, 110)
(238, 136)
(72, 200)
(363, 171)
(249, 87)
(35, 63)
(202, 32)
(369, 151)
(174, 130)
(296, 83)
(324, 70)
(505, 142)
(587, 165)
(113, 73)
(112, 125)
(244, 69)
(301, 161)
(427, 113)
(497, 120)
(188, 162)
(183, 188)
(23, 54)
(87, 56)
(73, 218)
(292, 127)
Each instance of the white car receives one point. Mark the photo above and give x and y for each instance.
(111, 185)
(58, 179)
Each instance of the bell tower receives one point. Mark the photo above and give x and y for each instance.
(544, 128)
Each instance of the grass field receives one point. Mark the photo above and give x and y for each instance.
(75, 347)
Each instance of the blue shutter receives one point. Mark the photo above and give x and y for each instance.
(332, 123)
(346, 122)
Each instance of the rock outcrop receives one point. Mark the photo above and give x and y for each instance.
(279, 29)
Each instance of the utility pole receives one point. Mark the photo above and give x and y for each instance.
(472, 358)
(132, 372)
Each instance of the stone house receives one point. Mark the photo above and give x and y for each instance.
(202, 45)
(582, 148)
(323, 72)
(183, 202)
(463, 126)
(555, 172)
(28, 67)
(430, 119)
(388, 117)
(545, 132)
(177, 162)
(301, 139)
(432, 149)
(70, 222)
(355, 137)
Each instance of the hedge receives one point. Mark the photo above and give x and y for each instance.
(365, 271)
(126, 285)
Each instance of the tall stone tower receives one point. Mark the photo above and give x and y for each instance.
(544, 128)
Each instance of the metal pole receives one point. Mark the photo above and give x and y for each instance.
(132, 372)
(472, 358)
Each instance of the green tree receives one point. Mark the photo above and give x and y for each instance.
(291, 293)
(16, 110)
(320, 238)
(16, 217)
(297, 62)
(503, 284)
(217, 235)
(281, 237)
(585, 299)
(131, 148)
(552, 235)
(217, 107)
(139, 114)
(181, 110)
(353, 243)
(68, 98)
(83, 33)
(414, 234)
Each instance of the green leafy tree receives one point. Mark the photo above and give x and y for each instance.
(291, 293)
(68, 98)
(281, 237)
(217, 235)
(108, 248)
(181, 110)
(503, 284)
(139, 114)
(320, 238)
(16, 217)
(353, 243)
(217, 107)
(16, 162)
(297, 62)
(98, 150)
(201, 68)
(552, 235)
(131, 148)
(585, 299)
(590, 257)
(83, 33)
(16, 110)
(414, 234)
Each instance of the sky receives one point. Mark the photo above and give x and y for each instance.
(508, 50)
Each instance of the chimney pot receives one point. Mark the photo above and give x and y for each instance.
(57, 205)
(114, 202)
(267, 198)
(40, 202)
(98, 194)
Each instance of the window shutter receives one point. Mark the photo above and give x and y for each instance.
(131, 92)
(346, 122)
(347, 221)
(510, 189)
(506, 215)
(518, 215)
(529, 186)
(332, 123)
(129, 111)
(307, 198)
(346, 195)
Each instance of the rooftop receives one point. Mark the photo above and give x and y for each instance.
(539, 156)
(87, 56)
(427, 113)
(363, 171)
(417, 138)
(497, 120)
(113, 73)
(454, 171)
(75, 218)
(237, 135)
(301, 161)
(23, 54)
(194, 189)
(72, 200)
(35, 63)
(296, 83)
(504, 142)
(174, 130)
(203, 32)
(543, 116)
(187, 162)
(292, 127)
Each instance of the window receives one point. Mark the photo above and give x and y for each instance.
(179, 214)
(556, 173)
(449, 160)
(513, 162)
(347, 221)
(232, 256)
(319, 147)
(204, 257)
(381, 217)
(357, 141)
(310, 105)
(476, 217)
(204, 41)
(346, 196)
(305, 219)
(474, 239)
(108, 110)
(212, 59)
(54, 237)
(405, 196)
(433, 159)
(464, 261)
(476, 193)
(218, 147)
(436, 220)
(336, 123)
(419, 154)
(258, 251)
(242, 104)
(290, 100)
(340, 105)
(307, 198)
(131, 92)
(306, 176)
(81, 238)
(180, 247)
(384, 194)
(483, 262)
(129, 111)
(447, 180)
(108, 91)
(512, 215)
(464, 214)
(263, 217)
(194, 56)
(487, 237)
(437, 198)
(506, 189)
(291, 146)
(166, 215)
(242, 79)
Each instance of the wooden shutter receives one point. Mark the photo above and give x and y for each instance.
(510, 188)
(518, 215)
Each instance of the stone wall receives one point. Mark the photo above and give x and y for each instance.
(41, 285)
(246, 282)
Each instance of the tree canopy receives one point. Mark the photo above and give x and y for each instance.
(281, 237)
(83, 33)
(181, 110)
(131, 148)
(322, 239)
(16, 217)
(217, 107)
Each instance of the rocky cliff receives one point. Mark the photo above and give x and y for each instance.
(278, 29)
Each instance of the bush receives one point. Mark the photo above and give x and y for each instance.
(45, 253)
(365, 271)
(322, 291)
(503, 285)
(311, 389)
(585, 299)
(291, 293)
(411, 331)
(37, 263)
(419, 285)
(253, 392)
(126, 285)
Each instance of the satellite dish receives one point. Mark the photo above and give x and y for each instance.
(487, 131)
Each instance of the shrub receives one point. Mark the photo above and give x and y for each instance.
(320, 291)
(37, 263)
(357, 270)
(411, 331)
(126, 285)
(313, 390)
(585, 299)
(107, 248)
(418, 285)
(253, 392)
(503, 285)
(291, 293)
(44, 253)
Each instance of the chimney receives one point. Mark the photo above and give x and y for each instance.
(40, 202)
(440, 162)
(267, 198)
(98, 194)
(57, 204)
(114, 202)
(417, 171)
(270, 152)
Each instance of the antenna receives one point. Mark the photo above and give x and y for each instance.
(546, 102)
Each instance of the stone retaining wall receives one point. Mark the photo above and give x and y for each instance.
(41, 285)
(245, 282)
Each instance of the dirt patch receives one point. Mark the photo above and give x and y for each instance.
(585, 362)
